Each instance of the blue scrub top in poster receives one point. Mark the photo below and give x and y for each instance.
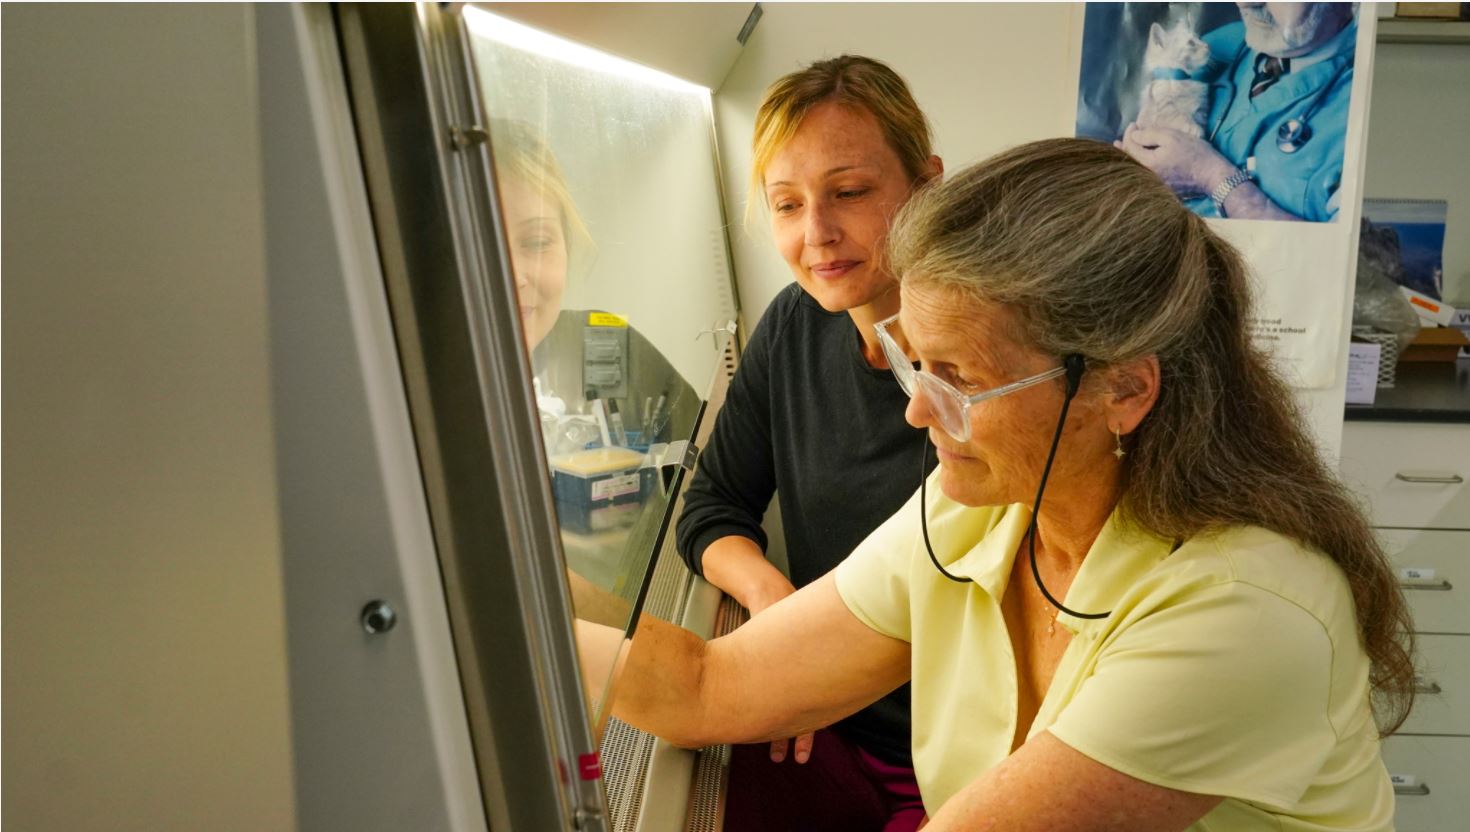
(1305, 182)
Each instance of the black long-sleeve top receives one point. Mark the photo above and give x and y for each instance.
(807, 418)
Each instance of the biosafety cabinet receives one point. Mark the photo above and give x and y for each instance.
(503, 317)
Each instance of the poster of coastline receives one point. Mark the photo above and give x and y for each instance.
(1412, 232)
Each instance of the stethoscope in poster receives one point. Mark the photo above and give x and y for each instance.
(1255, 115)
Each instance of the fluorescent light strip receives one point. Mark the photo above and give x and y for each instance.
(521, 36)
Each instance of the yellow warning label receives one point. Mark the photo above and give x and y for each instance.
(606, 319)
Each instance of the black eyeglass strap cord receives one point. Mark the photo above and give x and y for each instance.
(1075, 366)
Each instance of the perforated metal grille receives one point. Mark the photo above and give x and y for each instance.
(712, 765)
(707, 795)
(729, 616)
(625, 752)
(669, 587)
(625, 749)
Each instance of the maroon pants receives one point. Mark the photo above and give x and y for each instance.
(840, 787)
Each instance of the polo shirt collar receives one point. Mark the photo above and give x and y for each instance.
(1120, 556)
(998, 531)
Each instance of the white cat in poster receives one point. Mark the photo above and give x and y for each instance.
(1172, 98)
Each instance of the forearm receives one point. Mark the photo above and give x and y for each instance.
(594, 604)
(661, 688)
(737, 566)
(1248, 202)
(804, 663)
(676, 686)
(1245, 201)
(683, 689)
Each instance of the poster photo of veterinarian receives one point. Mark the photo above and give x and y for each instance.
(1241, 108)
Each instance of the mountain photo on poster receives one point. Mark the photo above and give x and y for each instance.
(1410, 233)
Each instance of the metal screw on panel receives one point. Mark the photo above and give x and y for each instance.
(378, 617)
(463, 137)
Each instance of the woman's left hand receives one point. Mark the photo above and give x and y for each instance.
(802, 750)
(1188, 165)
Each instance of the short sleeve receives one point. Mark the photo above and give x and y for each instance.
(874, 580)
(1223, 692)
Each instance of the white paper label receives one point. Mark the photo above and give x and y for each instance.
(1414, 573)
(614, 487)
(1403, 780)
(1362, 375)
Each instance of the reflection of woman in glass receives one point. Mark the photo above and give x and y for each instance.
(541, 223)
(549, 247)
(549, 244)
(815, 416)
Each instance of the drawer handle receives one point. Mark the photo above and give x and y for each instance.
(1445, 479)
(1417, 790)
(1429, 586)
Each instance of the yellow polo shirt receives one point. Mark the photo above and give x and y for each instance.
(1230, 667)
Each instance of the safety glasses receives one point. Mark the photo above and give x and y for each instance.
(949, 405)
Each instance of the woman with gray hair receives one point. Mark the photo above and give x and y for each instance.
(1132, 596)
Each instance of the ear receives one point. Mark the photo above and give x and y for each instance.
(1156, 35)
(1132, 392)
(933, 170)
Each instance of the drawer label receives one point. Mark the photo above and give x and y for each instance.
(614, 487)
(1416, 573)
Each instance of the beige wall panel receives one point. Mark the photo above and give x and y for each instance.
(1416, 141)
(144, 649)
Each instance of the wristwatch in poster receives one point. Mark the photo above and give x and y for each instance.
(1223, 189)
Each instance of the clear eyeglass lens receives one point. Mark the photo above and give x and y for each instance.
(899, 363)
(946, 407)
(942, 400)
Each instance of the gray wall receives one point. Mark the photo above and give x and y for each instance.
(1416, 141)
(144, 649)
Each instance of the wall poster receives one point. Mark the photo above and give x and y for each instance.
(1412, 233)
(1254, 114)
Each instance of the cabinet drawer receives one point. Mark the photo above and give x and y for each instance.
(1443, 703)
(1434, 570)
(1431, 777)
(1412, 475)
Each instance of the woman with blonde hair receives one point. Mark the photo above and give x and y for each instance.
(547, 238)
(1132, 596)
(814, 416)
(550, 246)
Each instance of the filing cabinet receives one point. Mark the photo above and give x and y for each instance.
(1434, 570)
(1411, 473)
(1412, 476)
(1429, 777)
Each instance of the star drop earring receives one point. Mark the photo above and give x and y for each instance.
(1118, 451)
